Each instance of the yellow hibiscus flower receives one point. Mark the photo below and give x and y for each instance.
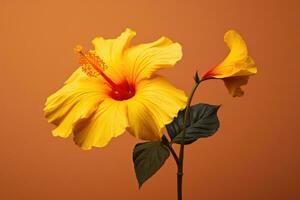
(236, 67)
(116, 89)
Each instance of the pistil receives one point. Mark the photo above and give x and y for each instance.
(93, 63)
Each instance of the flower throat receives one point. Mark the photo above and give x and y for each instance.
(94, 66)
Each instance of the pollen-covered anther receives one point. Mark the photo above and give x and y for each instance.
(89, 70)
(78, 48)
(90, 62)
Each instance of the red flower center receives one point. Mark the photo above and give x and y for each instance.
(122, 91)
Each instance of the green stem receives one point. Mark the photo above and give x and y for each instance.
(168, 144)
(181, 152)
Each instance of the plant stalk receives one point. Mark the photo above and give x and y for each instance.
(169, 145)
(181, 152)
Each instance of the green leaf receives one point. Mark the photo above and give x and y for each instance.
(148, 158)
(202, 122)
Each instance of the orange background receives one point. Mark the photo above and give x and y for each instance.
(254, 155)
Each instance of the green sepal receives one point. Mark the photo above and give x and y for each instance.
(196, 78)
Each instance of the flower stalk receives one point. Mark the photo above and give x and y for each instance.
(181, 152)
(169, 145)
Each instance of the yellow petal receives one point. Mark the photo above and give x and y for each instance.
(237, 46)
(75, 101)
(143, 60)
(155, 104)
(111, 51)
(234, 84)
(77, 75)
(110, 120)
(142, 123)
(237, 63)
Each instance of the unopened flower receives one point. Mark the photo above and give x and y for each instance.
(236, 67)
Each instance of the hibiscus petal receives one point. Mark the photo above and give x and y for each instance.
(143, 60)
(77, 75)
(75, 101)
(155, 104)
(246, 68)
(237, 63)
(234, 84)
(111, 51)
(110, 120)
(237, 46)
